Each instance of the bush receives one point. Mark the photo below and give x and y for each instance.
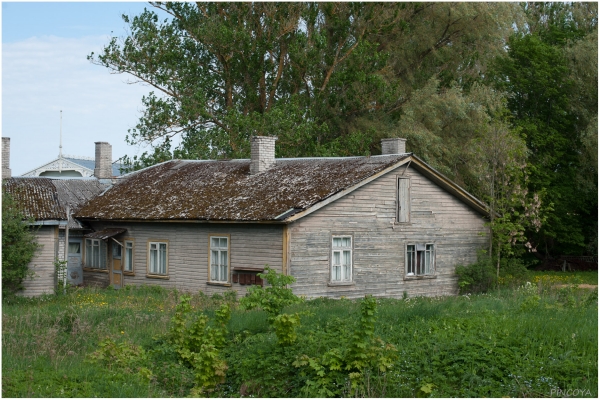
(18, 247)
(274, 298)
(514, 267)
(478, 277)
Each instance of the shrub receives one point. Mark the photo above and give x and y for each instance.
(124, 356)
(199, 344)
(358, 355)
(272, 299)
(18, 246)
(478, 277)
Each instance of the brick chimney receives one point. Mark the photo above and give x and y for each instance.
(103, 169)
(6, 158)
(393, 146)
(262, 153)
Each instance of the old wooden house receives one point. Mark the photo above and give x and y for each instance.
(383, 225)
(50, 203)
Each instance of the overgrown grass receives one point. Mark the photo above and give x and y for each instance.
(540, 341)
(550, 278)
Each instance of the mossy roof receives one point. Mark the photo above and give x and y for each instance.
(45, 199)
(225, 191)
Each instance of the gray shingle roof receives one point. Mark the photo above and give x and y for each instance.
(225, 191)
(47, 199)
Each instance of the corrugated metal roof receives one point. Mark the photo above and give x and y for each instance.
(47, 199)
(225, 191)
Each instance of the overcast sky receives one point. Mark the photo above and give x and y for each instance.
(45, 70)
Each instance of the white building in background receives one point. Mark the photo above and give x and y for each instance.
(70, 167)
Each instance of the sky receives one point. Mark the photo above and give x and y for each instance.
(45, 70)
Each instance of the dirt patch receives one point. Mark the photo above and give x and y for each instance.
(580, 286)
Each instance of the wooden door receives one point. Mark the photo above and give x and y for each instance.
(116, 271)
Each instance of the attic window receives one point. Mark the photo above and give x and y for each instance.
(420, 259)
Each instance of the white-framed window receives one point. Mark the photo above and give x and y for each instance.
(341, 259)
(219, 259)
(420, 259)
(128, 264)
(94, 254)
(157, 258)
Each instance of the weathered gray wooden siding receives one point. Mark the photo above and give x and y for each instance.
(42, 264)
(369, 214)
(251, 245)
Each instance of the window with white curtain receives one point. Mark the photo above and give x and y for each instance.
(341, 259)
(94, 257)
(157, 258)
(219, 259)
(420, 259)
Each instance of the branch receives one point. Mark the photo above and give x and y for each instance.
(336, 62)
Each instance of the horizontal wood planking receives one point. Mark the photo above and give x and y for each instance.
(98, 279)
(369, 214)
(42, 264)
(251, 245)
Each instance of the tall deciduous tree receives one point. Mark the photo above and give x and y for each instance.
(545, 72)
(326, 78)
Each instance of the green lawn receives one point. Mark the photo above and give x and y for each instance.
(512, 342)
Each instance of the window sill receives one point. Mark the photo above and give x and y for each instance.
(104, 271)
(128, 273)
(331, 284)
(157, 276)
(419, 277)
(226, 284)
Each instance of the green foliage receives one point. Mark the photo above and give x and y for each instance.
(285, 328)
(530, 296)
(18, 246)
(514, 267)
(336, 79)
(477, 346)
(60, 271)
(124, 357)
(554, 104)
(272, 299)
(478, 277)
(352, 358)
(199, 344)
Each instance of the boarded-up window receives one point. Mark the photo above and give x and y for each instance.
(403, 200)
